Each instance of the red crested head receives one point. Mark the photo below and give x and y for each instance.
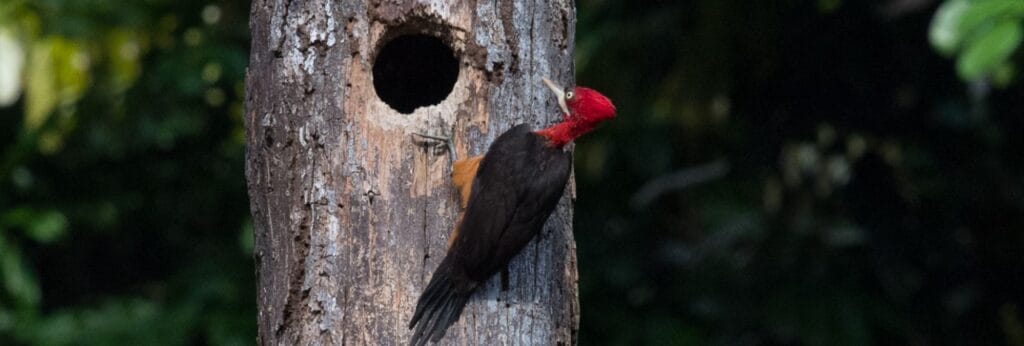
(583, 109)
(587, 104)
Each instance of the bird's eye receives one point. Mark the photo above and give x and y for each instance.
(569, 95)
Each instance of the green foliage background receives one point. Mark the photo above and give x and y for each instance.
(789, 172)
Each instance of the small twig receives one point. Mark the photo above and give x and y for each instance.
(681, 179)
(439, 138)
(446, 141)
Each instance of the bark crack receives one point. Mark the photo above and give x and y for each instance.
(298, 295)
(344, 316)
(507, 16)
(426, 234)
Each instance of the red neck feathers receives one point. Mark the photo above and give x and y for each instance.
(564, 132)
(587, 109)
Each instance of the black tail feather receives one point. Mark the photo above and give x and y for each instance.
(438, 308)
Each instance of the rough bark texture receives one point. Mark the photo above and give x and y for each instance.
(351, 212)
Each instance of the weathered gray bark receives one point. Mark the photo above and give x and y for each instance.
(351, 215)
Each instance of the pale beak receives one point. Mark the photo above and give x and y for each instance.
(560, 94)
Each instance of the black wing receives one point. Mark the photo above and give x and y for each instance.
(515, 190)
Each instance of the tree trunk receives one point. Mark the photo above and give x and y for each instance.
(351, 211)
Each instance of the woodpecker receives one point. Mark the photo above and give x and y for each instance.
(508, 193)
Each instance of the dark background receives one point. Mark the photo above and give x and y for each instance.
(780, 173)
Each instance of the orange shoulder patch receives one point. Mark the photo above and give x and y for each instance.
(463, 173)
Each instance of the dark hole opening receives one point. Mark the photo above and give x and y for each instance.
(414, 71)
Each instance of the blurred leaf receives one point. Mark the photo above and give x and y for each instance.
(983, 56)
(57, 75)
(124, 47)
(945, 34)
(17, 277)
(984, 33)
(12, 60)
(41, 87)
(49, 226)
(983, 14)
(42, 226)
